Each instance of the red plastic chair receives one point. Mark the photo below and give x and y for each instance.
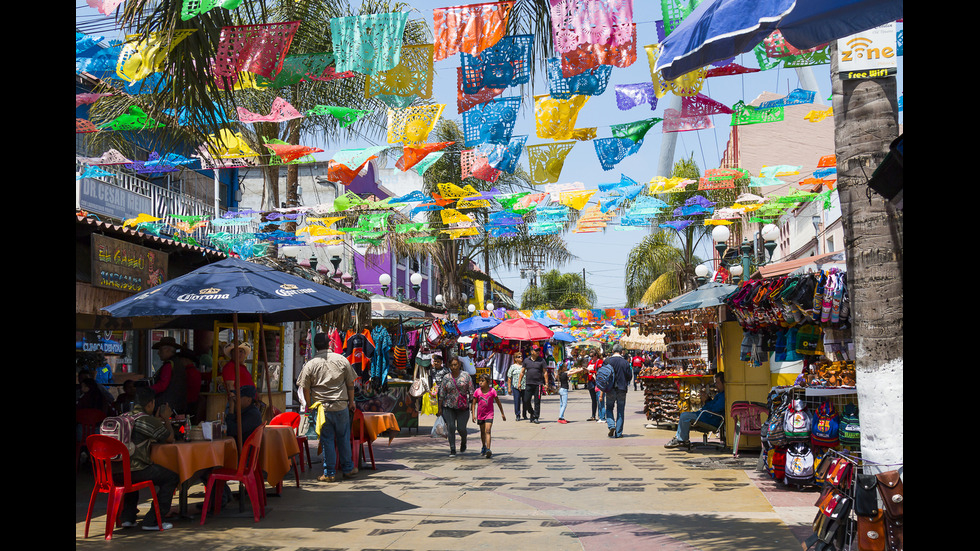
(247, 474)
(748, 420)
(102, 449)
(358, 438)
(90, 419)
(290, 419)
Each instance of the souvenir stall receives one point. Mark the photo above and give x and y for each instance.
(689, 360)
(811, 438)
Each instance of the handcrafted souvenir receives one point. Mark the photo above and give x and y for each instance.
(506, 63)
(368, 44)
(469, 29)
(411, 78)
(258, 49)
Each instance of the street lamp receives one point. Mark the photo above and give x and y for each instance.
(490, 306)
(471, 308)
(385, 281)
(701, 272)
(416, 280)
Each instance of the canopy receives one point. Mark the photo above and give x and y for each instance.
(717, 30)
(593, 344)
(563, 337)
(521, 329)
(477, 324)
(388, 308)
(706, 296)
(232, 286)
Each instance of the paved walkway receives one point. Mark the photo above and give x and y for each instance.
(547, 486)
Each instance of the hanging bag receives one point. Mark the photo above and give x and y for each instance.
(419, 384)
(866, 495)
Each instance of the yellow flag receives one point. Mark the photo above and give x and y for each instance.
(141, 58)
(452, 191)
(229, 145)
(689, 84)
(555, 118)
(412, 125)
(140, 219)
(576, 199)
(453, 216)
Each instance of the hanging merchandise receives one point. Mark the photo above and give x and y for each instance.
(381, 360)
(799, 464)
(359, 349)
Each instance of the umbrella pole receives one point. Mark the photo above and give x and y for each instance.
(238, 380)
(265, 368)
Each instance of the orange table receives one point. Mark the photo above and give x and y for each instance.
(189, 457)
(375, 423)
(278, 446)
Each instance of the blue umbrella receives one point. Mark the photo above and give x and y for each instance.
(232, 286)
(547, 322)
(476, 324)
(563, 337)
(721, 29)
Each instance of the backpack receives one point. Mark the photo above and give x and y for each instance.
(776, 463)
(850, 427)
(797, 423)
(799, 464)
(775, 432)
(826, 425)
(605, 376)
(120, 427)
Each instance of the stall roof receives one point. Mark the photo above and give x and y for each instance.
(787, 267)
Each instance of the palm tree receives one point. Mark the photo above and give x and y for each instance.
(865, 123)
(558, 291)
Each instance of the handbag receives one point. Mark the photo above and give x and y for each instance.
(890, 487)
(871, 532)
(866, 495)
(839, 473)
(419, 386)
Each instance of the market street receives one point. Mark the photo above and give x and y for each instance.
(547, 486)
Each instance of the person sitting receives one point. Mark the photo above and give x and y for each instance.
(149, 428)
(715, 405)
(92, 397)
(192, 377)
(124, 402)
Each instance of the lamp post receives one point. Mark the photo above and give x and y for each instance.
(385, 281)
(416, 281)
(742, 267)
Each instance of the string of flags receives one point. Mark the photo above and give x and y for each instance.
(590, 37)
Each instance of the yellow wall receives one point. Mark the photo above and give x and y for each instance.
(743, 381)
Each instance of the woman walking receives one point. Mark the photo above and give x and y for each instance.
(455, 392)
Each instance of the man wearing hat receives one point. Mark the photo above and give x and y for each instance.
(171, 381)
(236, 357)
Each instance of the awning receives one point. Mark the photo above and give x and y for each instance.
(787, 267)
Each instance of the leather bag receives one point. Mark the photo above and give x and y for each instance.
(866, 495)
(871, 532)
(419, 385)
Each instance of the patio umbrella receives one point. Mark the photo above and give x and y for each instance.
(477, 324)
(563, 337)
(721, 29)
(706, 296)
(389, 308)
(236, 290)
(521, 329)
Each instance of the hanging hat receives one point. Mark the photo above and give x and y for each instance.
(166, 341)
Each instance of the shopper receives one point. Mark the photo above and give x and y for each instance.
(562, 392)
(515, 386)
(455, 391)
(482, 410)
(590, 385)
(637, 362)
(327, 382)
(534, 375)
(714, 405)
(616, 396)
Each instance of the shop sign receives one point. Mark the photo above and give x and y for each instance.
(109, 200)
(126, 267)
(869, 54)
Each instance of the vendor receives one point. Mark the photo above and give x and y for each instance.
(236, 356)
(715, 405)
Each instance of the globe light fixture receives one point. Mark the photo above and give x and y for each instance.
(385, 281)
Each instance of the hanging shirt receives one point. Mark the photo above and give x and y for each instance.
(359, 348)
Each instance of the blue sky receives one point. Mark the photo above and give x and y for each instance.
(603, 255)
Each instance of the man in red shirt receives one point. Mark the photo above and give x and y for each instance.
(193, 379)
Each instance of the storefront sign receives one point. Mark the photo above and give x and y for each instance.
(868, 54)
(124, 266)
(108, 200)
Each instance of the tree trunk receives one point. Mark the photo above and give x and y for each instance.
(866, 122)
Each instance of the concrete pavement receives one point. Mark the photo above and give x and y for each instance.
(547, 486)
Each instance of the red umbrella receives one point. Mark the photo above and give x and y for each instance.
(521, 329)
